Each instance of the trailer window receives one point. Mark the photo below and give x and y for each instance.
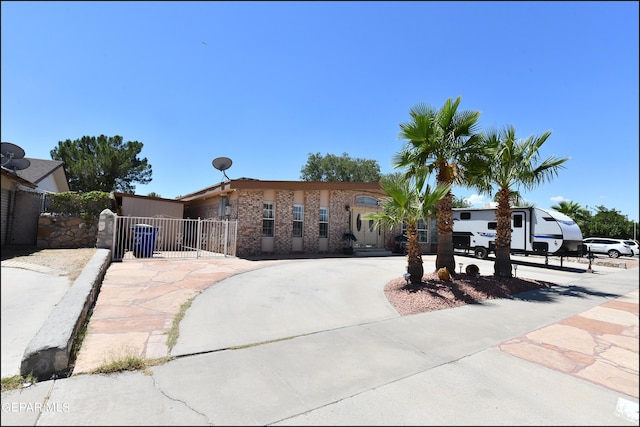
(492, 225)
(465, 215)
(517, 221)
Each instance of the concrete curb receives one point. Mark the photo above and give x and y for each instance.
(48, 354)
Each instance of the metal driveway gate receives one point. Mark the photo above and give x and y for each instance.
(163, 237)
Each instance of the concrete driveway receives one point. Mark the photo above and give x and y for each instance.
(28, 298)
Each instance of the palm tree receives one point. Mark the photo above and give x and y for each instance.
(439, 140)
(507, 164)
(408, 200)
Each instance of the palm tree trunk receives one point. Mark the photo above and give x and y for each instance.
(502, 265)
(414, 255)
(444, 220)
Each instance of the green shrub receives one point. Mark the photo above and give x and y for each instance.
(86, 205)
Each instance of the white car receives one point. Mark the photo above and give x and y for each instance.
(633, 244)
(612, 247)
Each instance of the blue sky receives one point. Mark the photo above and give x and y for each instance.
(268, 83)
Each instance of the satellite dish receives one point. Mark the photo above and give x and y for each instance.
(17, 164)
(222, 164)
(11, 151)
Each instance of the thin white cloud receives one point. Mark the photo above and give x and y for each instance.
(475, 200)
(559, 199)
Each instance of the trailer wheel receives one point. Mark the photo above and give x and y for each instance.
(481, 252)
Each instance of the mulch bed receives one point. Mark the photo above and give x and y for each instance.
(436, 294)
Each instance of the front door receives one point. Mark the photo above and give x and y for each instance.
(364, 230)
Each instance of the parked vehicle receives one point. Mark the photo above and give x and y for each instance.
(612, 247)
(634, 245)
(533, 231)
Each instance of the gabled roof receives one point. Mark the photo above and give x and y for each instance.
(40, 169)
(9, 174)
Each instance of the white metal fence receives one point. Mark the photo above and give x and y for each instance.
(162, 237)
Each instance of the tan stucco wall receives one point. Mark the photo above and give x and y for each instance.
(136, 206)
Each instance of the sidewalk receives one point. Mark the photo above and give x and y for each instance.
(303, 343)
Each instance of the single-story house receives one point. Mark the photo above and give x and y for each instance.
(48, 175)
(24, 198)
(289, 217)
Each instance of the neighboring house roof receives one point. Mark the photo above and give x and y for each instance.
(14, 177)
(255, 184)
(118, 196)
(47, 174)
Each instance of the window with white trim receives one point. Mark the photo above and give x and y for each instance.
(268, 219)
(422, 228)
(298, 216)
(423, 231)
(222, 207)
(324, 222)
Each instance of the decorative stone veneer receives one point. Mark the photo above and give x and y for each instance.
(248, 208)
(339, 217)
(283, 222)
(249, 213)
(311, 230)
(56, 231)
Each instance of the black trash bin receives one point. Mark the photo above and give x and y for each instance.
(144, 240)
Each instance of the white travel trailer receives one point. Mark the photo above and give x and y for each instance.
(533, 231)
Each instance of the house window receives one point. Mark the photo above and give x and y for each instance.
(423, 230)
(434, 235)
(298, 215)
(366, 200)
(268, 219)
(222, 207)
(324, 223)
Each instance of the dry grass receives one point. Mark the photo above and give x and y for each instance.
(17, 381)
(63, 262)
(127, 359)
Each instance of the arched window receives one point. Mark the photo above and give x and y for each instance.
(366, 200)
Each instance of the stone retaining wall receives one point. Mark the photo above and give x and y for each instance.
(49, 354)
(57, 231)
